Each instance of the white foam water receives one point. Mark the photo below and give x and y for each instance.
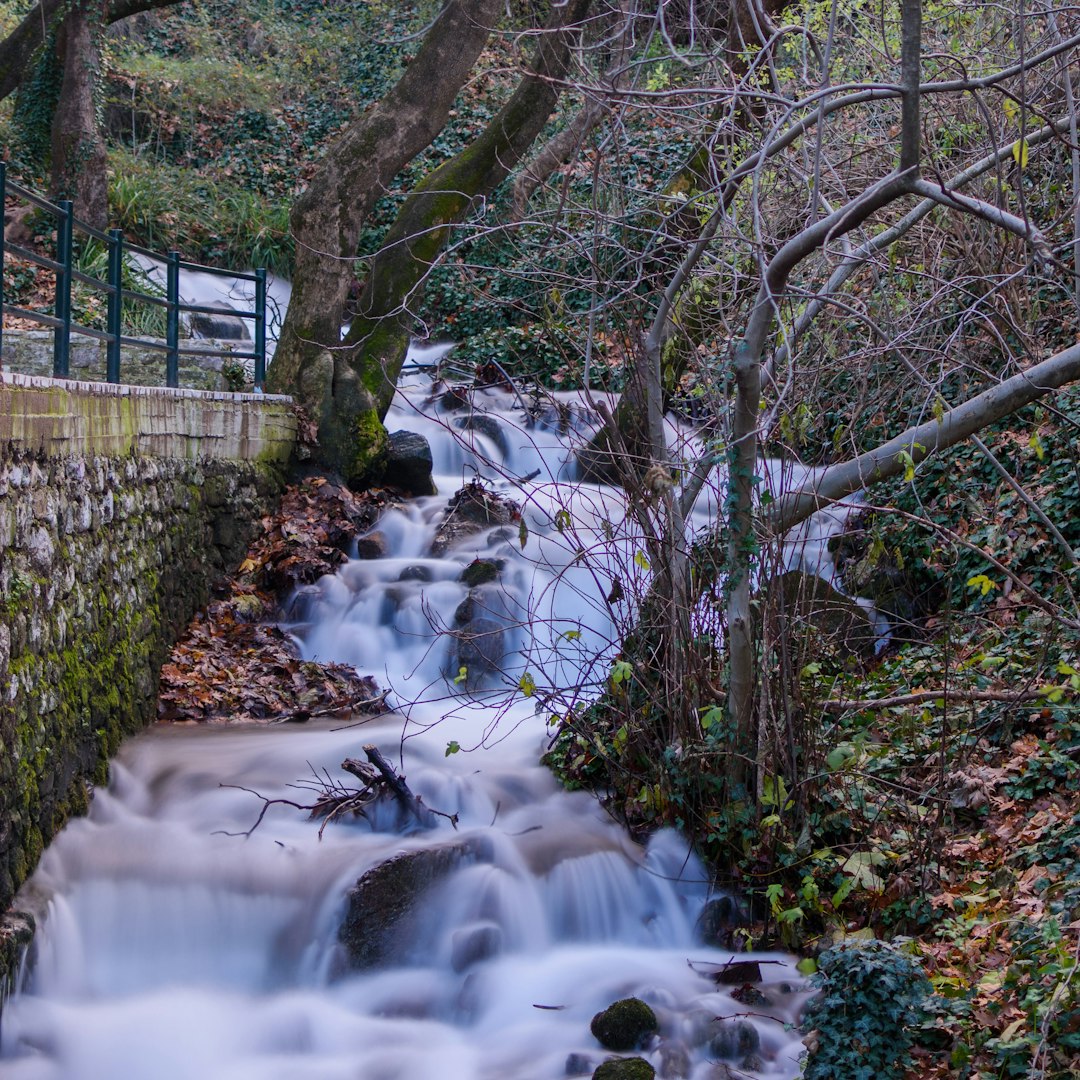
(174, 947)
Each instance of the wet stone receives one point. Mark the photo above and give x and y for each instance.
(733, 1040)
(409, 463)
(381, 906)
(718, 918)
(675, 1063)
(627, 1024)
(578, 1065)
(373, 546)
(473, 944)
(416, 572)
(625, 1069)
(481, 647)
(481, 572)
(738, 973)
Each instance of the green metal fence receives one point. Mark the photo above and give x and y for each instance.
(67, 227)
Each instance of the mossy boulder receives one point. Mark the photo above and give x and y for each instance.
(377, 927)
(625, 1069)
(627, 1024)
(481, 572)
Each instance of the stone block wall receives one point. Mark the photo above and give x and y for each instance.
(118, 508)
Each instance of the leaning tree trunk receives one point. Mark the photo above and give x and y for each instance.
(749, 25)
(366, 367)
(327, 218)
(78, 149)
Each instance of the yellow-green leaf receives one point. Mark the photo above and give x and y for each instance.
(981, 582)
(1020, 152)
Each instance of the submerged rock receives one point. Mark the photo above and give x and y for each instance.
(578, 1065)
(733, 1040)
(473, 944)
(485, 425)
(380, 907)
(625, 1069)
(625, 1025)
(481, 647)
(472, 510)
(409, 463)
(716, 924)
(481, 572)
(675, 1063)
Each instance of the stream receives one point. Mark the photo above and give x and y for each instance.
(172, 947)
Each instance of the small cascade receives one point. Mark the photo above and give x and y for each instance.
(177, 942)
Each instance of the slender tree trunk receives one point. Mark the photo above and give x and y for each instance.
(78, 150)
(749, 361)
(566, 143)
(366, 368)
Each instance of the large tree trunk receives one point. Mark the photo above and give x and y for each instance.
(78, 149)
(355, 172)
(17, 49)
(366, 368)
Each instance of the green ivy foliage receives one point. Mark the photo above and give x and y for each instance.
(872, 998)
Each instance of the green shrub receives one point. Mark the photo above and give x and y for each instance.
(872, 996)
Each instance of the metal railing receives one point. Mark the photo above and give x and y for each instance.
(67, 225)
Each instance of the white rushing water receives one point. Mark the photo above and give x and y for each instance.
(171, 950)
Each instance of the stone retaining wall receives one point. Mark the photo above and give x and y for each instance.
(118, 508)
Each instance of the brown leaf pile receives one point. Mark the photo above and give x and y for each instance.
(226, 669)
(309, 534)
(231, 665)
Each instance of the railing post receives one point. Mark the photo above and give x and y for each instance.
(260, 329)
(172, 323)
(114, 323)
(3, 204)
(62, 307)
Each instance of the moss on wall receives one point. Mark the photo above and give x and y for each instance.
(103, 561)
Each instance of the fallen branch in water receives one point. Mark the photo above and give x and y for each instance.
(378, 780)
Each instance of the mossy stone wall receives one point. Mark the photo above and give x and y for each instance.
(106, 551)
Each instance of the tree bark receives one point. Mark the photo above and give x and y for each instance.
(917, 443)
(355, 172)
(568, 142)
(18, 47)
(78, 149)
(366, 367)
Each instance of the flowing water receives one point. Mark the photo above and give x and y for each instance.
(171, 947)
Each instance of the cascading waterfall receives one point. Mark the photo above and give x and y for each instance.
(174, 947)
